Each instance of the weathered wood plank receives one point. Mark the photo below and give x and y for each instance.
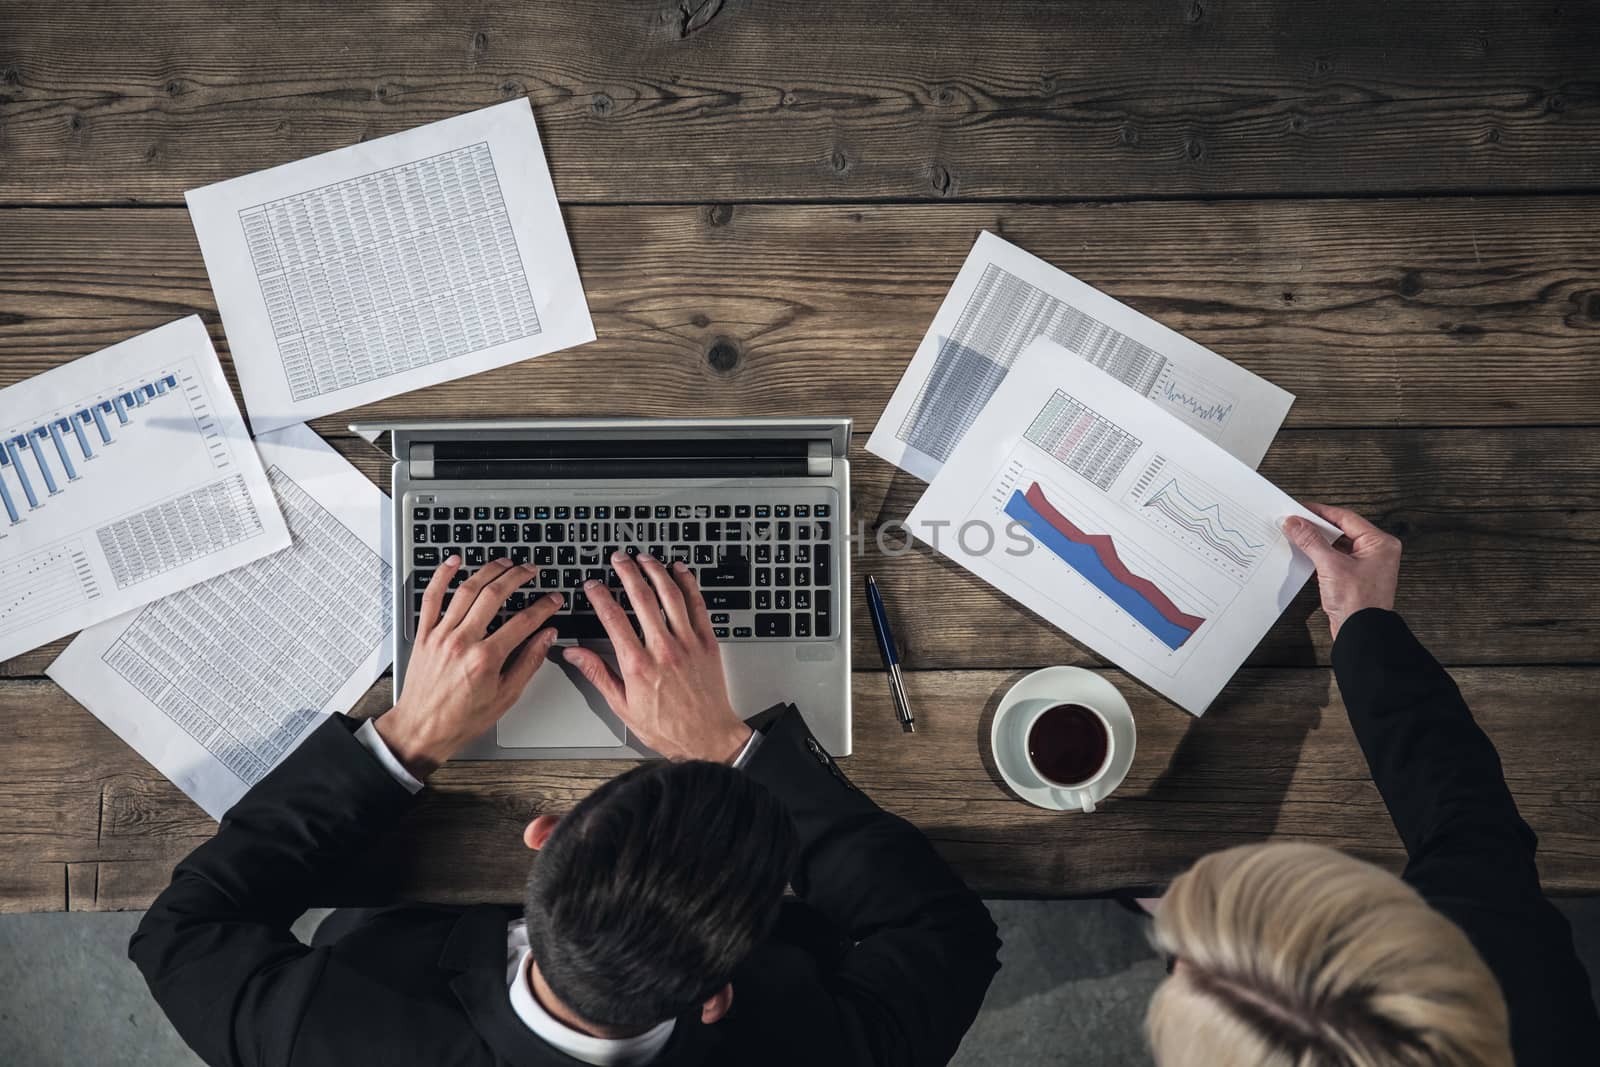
(131, 102)
(1422, 312)
(1500, 561)
(1275, 757)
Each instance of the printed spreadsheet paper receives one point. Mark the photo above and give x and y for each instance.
(125, 476)
(1001, 300)
(1119, 523)
(216, 684)
(387, 266)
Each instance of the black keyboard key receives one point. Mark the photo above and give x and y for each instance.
(802, 625)
(522, 513)
(704, 555)
(719, 619)
(763, 553)
(719, 631)
(802, 531)
(572, 578)
(714, 577)
(741, 511)
(727, 599)
(530, 532)
(439, 532)
(463, 513)
(713, 531)
(763, 576)
(508, 532)
(802, 553)
(420, 578)
(501, 514)
(802, 511)
(682, 554)
(458, 577)
(602, 511)
(584, 627)
(763, 531)
(680, 511)
(563, 513)
(733, 556)
(780, 554)
(541, 513)
(763, 512)
(419, 514)
(416, 602)
(463, 532)
(486, 532)
(702, 511)
(780, 576)
(663, 512)
(543, 556)
(555, 532)
(580, 512)
(773, 625)
(802, 576)
(822, 511)
(517, 601)
(520, 554)
(743, 631)
(785, 531)
(475, 556)
(566, 556)
(425, 557)
(763, 600)
(419, 534)
(780, 511)
(824, 531)
(549, 578)
(691, 531)
(722, 511)
(480, 513)
(499, 552)
(802, 599)
(441, 514)
(822, 570)
(594, 574)
(780, 600)
(824, 615)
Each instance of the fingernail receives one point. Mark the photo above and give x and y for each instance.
(592, 583)
(619, 557)
(679, 566)
(556, 598)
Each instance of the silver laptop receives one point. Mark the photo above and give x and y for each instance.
(759, 508)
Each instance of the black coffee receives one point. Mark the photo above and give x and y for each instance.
(1068, 744)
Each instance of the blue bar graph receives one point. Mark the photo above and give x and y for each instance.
(60, 431)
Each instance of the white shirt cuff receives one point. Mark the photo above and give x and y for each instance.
(748, 750)
(372, 741)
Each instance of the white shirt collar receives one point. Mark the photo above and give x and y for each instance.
(601, 1051)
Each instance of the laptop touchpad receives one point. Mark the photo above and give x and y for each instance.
(560, 710)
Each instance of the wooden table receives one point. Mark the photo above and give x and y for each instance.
(1389, 209)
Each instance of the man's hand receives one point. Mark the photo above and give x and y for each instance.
(461, 678)
(1360, 570)
(672, 691)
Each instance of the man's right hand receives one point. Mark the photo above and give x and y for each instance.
(1360, 570)
(672, 691)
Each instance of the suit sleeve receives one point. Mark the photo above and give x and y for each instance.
(216, 947)
(1470, 854)
(924, 947)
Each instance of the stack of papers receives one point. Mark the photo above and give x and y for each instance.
(1097, 467)
(236, 593)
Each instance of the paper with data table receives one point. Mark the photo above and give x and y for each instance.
(1115, 521)
(1001, 300)
(387, 266)
(125, 475)
(216, 684)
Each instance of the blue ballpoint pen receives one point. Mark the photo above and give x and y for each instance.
(891, 658)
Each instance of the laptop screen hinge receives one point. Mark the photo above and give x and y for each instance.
(421, 461)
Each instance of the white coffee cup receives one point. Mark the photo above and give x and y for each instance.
(1079, 793)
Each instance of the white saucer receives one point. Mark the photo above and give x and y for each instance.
(1061, 685)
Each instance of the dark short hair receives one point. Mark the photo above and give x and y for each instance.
(657, 885)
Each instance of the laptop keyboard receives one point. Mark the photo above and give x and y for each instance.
(765, 569)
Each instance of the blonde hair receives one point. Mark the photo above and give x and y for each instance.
(1294, 955)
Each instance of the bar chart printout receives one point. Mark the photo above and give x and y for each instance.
(1172, 570)
(124, 476)
(1002, 299)
(389, 265)
(215, 684)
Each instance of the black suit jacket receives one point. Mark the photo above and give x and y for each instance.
(898, 982)
(1470, 854)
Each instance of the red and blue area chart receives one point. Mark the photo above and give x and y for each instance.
(1094, 556)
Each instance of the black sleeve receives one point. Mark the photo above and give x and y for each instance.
(215, 947)
(924, 949)
(1469, 852)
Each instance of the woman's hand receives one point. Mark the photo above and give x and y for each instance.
(1360, 570)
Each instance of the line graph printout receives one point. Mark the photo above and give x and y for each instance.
(214, 685)
(1002, 299)
(126, 475)
(389, 265)
(1173, 571)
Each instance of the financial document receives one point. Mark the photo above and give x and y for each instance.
(386, 266)
(216, 684)
(1001, 300)
(1119, 523)
(124, 476)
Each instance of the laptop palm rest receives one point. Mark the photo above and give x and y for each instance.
(560, 710)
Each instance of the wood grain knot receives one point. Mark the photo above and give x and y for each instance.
(12, 318)
(839, 162)
(601, 104)
(480, 46)
(1194, 149)
(719, 214)
(175, 87)
(509, 88)
(723, 356)
(1555, 104)
(699, 321)
(1463, 331)
(10, 75)
(695, 16)
(1194, 14)
(944, 96)
(1410, 284)
(940, 179)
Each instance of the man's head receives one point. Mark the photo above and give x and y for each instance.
(1294, 954)
(645, 898)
